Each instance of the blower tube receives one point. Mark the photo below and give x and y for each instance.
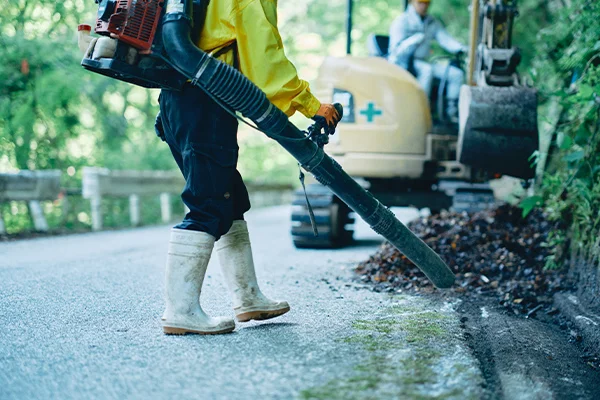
(236, 91)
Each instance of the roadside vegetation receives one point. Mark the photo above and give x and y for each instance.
(567, 73)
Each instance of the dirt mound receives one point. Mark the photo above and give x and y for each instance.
(495, 253)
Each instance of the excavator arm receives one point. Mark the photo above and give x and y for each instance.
(498, 129)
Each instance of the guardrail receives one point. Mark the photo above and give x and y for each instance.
(99, 183)
(32, 187)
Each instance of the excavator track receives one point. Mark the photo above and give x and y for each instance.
(332, 218)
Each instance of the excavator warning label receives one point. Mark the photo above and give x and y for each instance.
(371, 112)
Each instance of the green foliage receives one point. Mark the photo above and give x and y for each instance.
(56, 115)
(568, 72)
(530, 203)
(262, 160)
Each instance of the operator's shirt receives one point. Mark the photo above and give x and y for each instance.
(411, 35)
(252, 26)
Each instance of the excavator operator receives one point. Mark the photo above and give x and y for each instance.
(202, 137)
(411, 35)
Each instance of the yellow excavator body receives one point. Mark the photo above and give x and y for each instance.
(386, 117)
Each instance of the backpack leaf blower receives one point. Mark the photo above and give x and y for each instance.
(162, 34)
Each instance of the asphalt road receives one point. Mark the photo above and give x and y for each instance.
(80, 318)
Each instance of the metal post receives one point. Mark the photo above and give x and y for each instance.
(96, 206)
(37, 214)
(2, 226)
(492, 26)
(165, 207)
(134, 209)
(473, 42)
(349, 28)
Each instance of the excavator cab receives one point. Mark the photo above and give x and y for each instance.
(378, 46)
(392, 143)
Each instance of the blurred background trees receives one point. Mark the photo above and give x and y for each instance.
(54, 114)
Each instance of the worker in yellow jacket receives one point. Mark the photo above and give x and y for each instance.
(203, 140)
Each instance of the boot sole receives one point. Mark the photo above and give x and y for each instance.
(182, 331)
(261, 315)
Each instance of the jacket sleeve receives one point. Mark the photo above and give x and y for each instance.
(447, 42)
(263, 61)
(402, 46)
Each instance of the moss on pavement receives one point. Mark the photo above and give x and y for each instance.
(412, 350)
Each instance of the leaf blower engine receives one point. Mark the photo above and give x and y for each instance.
(152, 43)
(130, 47)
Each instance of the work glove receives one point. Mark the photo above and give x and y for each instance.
(328, 116)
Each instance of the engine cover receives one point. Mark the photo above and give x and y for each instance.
(132, 21)
(138, 59)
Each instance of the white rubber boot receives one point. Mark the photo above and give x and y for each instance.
(235, 255)
(189, 253)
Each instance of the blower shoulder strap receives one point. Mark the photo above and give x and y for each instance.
(199, 17)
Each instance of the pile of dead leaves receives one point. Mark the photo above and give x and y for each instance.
(495, 252)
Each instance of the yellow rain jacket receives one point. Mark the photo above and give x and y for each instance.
(252, 26)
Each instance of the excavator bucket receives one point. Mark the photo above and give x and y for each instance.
(498, 129)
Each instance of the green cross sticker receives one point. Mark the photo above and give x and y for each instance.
(371, 112)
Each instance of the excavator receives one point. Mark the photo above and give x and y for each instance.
(400, 146)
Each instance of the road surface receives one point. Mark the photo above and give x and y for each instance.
(81, 319)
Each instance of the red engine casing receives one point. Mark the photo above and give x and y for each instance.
(134, 22)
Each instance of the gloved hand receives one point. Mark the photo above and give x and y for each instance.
(329, 117)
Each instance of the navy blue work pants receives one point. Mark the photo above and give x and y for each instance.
(203, 140)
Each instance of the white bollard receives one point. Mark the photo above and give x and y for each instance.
(39, 221)
(96, 205)
(134, 209)
(165, 207)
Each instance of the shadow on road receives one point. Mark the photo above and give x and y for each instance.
(270, 325)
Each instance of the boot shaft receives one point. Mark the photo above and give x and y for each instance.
(237, 265)
(187, 261)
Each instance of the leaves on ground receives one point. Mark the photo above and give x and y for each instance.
(493, 253)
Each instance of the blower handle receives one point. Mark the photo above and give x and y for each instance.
(317, 132)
